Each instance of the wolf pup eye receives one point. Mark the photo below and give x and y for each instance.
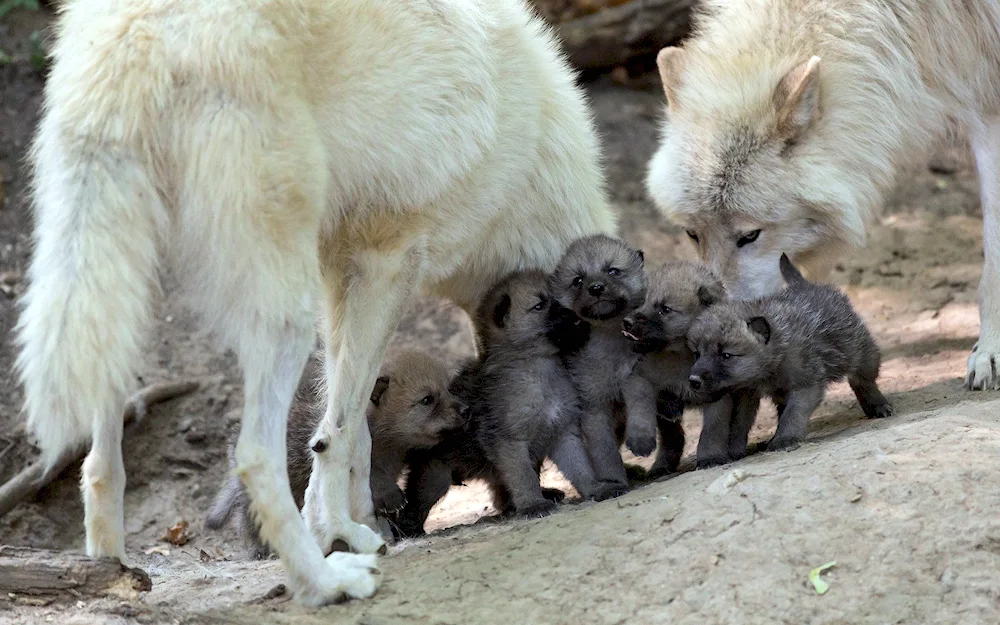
(693, 235)
(726, 355)
(663, 309)
(539, 306)
(748, 238)
(614, 271)
(577, 281)
(427, 401)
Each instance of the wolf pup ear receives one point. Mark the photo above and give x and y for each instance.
(709, 294)
(670, 62)
(797, 99)
(380, 385)
(760, 327)
(501, 310)
(642, 256)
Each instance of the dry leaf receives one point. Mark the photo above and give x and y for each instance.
(204, 556)
(177, 535)
(160, 549)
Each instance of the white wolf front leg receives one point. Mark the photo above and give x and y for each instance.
(367, 290)
(982, 366)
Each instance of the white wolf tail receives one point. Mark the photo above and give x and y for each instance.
(92, 278)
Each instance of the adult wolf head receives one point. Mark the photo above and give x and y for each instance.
(766, 148)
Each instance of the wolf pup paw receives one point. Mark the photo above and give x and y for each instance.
(712, 461)
(786, 444)
(535, 510)
(553, 494)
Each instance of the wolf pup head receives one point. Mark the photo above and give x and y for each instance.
(733, 349)
(518, 313)
(411, 401)
(678, 292)
(740, 166)
(601, 279)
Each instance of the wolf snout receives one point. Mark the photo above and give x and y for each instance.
(695, 381)
(596, 289)
(628, 323)
(463, 410)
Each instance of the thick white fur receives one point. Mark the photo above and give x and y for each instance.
(891, 74)
(293, 160)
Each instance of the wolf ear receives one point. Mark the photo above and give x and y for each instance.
(670, 62)
(797, 99)
(500, 311)
(709, 294)
(380, 385)
(760, 327)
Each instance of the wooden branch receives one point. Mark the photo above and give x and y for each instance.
(613, 36)
(28, 482)
(55, 574)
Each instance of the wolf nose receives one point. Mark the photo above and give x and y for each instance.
(596, 289)
(464, 411)
(695, 382)
(627, 323)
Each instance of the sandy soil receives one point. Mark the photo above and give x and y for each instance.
(906, 507)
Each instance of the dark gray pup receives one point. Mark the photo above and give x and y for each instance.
(602, 280)
(524, 408)
(410, 408)
(790, 346)
(678, 292)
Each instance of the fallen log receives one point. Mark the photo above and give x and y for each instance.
(614, 35)
(37, 576)
(34, 478)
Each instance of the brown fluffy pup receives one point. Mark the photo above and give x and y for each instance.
(410, 408)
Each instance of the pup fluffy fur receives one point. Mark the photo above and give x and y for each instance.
(789, 120)
(295, 160)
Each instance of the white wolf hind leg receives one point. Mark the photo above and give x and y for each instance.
(103, 487)
(367, 290)
(982, 365)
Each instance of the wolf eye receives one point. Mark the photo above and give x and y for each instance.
(427, 401)
(577, 281)
(726, 355)
(663, 309)
(539, 306)
(614, 271)
(747, 238)
(693, 235)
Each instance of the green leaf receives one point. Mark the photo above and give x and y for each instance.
(818, 583)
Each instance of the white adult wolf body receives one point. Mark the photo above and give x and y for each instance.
(293, 160)
(789, 121)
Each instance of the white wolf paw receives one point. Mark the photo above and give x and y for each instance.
(982, 369)
(337, 537)
(343, 576)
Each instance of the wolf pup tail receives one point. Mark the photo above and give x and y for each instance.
(224, 504)
(790, 273)
(92, 280)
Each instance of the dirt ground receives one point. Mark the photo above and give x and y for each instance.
(907, 507)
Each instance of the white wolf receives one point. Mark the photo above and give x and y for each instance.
(294, 160)
(788, 121)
